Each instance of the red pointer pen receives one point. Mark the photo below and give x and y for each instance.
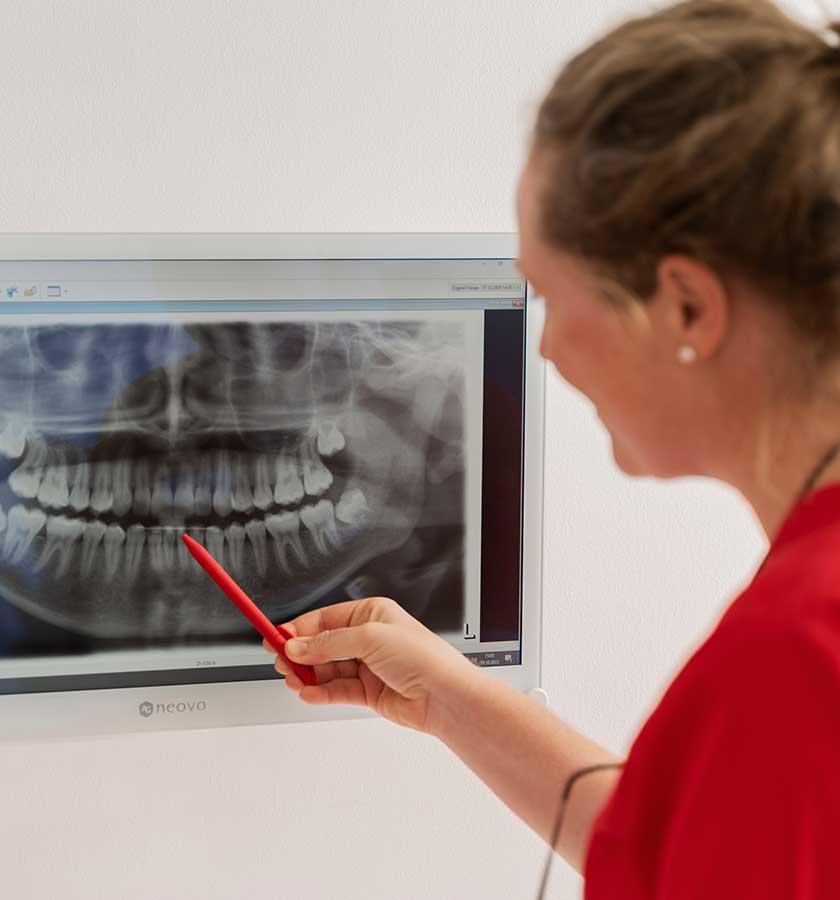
(275, 635)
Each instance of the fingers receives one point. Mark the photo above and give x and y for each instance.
(343, 632)
(292, 681)
(358, 642)
(342, 690)
(343, 615)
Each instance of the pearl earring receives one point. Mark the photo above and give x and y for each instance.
(687, 355)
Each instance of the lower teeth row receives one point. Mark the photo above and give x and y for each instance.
(111, 548)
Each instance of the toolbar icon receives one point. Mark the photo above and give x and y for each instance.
(53, 290)
(31, 291)
(11, 291)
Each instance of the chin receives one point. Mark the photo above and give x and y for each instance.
(624, 461)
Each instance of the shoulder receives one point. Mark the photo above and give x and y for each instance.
(762, 686)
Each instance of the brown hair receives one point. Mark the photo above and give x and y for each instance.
(710, 128)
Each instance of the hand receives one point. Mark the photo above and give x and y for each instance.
(373, 653)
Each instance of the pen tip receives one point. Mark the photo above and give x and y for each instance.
(187, 540)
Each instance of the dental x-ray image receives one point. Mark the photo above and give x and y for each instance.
(317, 460)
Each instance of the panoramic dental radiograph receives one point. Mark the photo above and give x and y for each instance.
(316, 460)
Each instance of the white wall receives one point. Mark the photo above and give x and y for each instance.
(310, 115)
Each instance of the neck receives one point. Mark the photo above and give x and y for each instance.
(773, 497)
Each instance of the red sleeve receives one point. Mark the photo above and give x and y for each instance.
(736, 788)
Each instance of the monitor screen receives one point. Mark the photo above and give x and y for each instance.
(329, 429)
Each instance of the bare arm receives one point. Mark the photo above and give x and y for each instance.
(524, 754)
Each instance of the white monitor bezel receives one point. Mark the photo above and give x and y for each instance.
(82, 714)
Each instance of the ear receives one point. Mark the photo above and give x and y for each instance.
(691, 306)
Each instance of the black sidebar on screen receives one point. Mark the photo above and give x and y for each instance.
(502, 484)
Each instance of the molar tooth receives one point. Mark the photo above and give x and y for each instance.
(288, 488)
(13, 437)
(184, 501)
(80, 495)
(142, 490)
(263, 495)
(134, 540)
(330, 439)
(255, 530)
(243, 498)
(122, 487)
(26, 478)
(21, 528)
(235, 537)
(102, 497)
(203, 492)
(62, 533)
(352, 508)
(91, 539)
(161, 505)
(316, 476)
(222, 502)
(215, 542)
(53, 491)
(113, 540)
(284, 527)
(319, 520)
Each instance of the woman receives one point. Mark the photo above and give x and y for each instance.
(680, 214)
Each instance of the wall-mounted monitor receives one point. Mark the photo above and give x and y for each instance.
(332, 416)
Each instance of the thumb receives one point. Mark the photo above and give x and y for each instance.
(338, 643)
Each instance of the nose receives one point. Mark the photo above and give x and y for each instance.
(543, 342)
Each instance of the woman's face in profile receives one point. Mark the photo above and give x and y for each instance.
(592, 345)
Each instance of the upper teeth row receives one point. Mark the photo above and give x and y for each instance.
(221, 481)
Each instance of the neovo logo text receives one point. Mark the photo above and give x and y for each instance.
(181, 706)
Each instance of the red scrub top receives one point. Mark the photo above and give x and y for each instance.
(731, 790)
